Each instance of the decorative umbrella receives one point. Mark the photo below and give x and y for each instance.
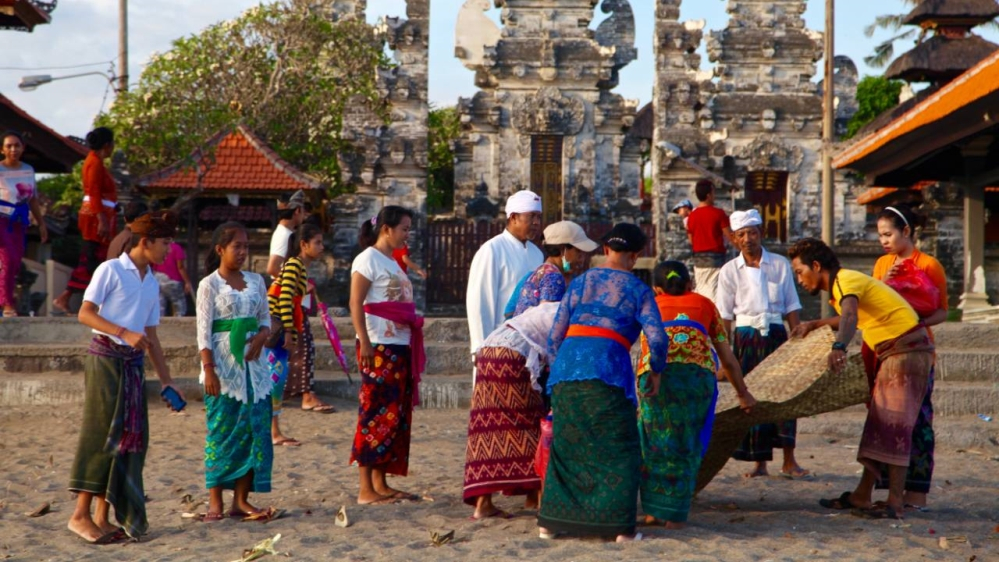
(334, 336)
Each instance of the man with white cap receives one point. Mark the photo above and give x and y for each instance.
(501, 263)
(756, 294)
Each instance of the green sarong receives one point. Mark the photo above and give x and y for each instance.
(99, 467)
(669, 427)
(591, 486)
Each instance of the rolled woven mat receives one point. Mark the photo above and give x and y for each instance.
(793, 382)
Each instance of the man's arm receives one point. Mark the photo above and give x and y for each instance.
(480, 296)
(274, 265)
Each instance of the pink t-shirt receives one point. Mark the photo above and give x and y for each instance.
(171, 265)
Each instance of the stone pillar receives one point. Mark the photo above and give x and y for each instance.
(974, 297)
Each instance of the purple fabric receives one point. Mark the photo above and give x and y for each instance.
(11, 254)
(127, 429)
(405, 313)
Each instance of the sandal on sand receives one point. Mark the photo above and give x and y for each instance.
(498, 514)
(546, 534)
(842, 502)
(797, 473)
(384, 500)
(405, 496)
(287, 442)
(877, 512)
(108, 538)
(210, 517)
(321, 409)
(636, 538)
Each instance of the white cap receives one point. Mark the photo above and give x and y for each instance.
(523, 202)
(742, 219)
(568, 232)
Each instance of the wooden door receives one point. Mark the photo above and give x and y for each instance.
(767, 191)
(546, 175)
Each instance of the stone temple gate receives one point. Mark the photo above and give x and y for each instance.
(546, 117)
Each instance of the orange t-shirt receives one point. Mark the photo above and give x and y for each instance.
(688, 345)
(925, 262)
(99, 187)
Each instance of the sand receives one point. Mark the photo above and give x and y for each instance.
(732, 519)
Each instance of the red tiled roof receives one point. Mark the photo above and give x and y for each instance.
(241, 162)
(875, 193)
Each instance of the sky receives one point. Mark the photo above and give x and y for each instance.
(83, 32)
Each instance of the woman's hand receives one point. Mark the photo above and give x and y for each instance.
(803, 329)
(746, 401)
(290, 341)
(366, 359)
(212, 385)
(836, 360)
(43, 231)
(257, 345)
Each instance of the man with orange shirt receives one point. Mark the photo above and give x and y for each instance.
(707, 229)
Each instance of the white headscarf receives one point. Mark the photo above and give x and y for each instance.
(742, 219)
(523, 202)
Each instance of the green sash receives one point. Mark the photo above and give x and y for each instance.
(237, 328)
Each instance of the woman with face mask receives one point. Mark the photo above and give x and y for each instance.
(565, 246)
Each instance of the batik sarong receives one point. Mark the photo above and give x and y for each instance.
(238, 441)
(385, 415)
(903, 377)
(751, 348)
(669, 428)
(595, 465)
(114, 434)
(11, 253)
(503, 428)
(301, 364)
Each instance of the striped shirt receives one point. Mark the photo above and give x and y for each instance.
(293, 281)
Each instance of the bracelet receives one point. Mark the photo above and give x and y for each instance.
(121, 331)
(207, 365)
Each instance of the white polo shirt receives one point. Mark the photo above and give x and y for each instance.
(123, 297)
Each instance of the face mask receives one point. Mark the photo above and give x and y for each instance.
(566, 266)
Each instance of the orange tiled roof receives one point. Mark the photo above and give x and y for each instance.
(974, 84)
(875, 193)
(242, 162)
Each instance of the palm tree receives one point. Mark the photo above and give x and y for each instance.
(884, 52)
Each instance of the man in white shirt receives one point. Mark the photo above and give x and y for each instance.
(290, 216)
(121, 306)
(501, 263)
(756, 294)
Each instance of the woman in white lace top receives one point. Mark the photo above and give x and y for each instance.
(233, 323)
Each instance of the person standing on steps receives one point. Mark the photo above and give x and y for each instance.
(755, 296)
(707, 229)
(17, 200)
(500, 264)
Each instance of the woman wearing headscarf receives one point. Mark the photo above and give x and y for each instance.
(97, 214)
(592, 481)
(17, 200)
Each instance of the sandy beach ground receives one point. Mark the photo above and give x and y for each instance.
(733, 518)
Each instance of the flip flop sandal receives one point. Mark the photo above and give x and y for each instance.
(842, 502)
(321, 409)
(882, 512)
(210, 517)
(287, 442)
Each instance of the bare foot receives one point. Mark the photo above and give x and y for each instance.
(674, 526)
(9, 312)
(375, 499)
(532, 501)
(794, 471)
(914, 500)
(397, 494)
(86, 529)
(629, 538)
(757, 472)
(238, 508)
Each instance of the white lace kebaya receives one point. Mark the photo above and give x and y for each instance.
(219, 301)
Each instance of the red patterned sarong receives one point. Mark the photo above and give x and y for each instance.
(503, 428)
(385, 416)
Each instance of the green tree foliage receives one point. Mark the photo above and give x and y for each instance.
(64, 190)
(445, 128)
(285, 70)
(875, 95)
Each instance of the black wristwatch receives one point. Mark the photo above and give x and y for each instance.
(839, 346)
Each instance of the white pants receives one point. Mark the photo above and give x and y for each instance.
(706, 281)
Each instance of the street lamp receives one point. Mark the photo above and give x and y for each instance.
(30, 83)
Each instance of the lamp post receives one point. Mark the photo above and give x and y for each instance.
(31, 83)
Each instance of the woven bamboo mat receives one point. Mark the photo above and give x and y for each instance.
(791, 383)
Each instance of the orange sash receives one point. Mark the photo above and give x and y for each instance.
(580, 331)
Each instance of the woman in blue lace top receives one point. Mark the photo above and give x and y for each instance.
(593, 473)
